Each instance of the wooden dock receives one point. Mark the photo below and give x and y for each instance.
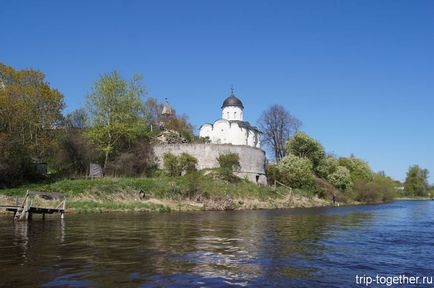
(28, 207)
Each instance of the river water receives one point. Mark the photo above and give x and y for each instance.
(314, 247)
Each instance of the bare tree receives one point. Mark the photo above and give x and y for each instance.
(277, 126)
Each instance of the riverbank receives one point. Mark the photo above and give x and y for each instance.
(413, 198)
(195, 192)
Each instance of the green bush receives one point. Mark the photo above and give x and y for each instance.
(187, 163)
(171, 165)
(326, 167)
(341, 179)
(177, 165)
(304, 146)
(359, 169)
(273, 173)
(295, 171)
(229, 161)
(416, 182)
(380, 189)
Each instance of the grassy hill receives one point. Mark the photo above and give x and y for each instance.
(192, 192)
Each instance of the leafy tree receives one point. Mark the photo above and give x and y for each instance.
(359, 169)
(416, 182)
(295, 171)
(341, 179)
(30, 113)
(303, 146)
(30, 110)
(277, 126)
(327, 166)
(117, 112)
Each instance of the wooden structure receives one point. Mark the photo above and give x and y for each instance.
(29, 207)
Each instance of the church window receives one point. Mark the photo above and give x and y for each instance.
(235, 115)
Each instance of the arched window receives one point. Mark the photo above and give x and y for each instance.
(235, 115)
(227, 114)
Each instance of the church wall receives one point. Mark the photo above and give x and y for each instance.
(252, 159)
(206, 130)
(232, 113)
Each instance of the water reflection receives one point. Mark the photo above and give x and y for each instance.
(249, 248)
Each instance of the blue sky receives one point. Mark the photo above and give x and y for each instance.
(359, 74)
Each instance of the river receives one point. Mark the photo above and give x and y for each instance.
(264, 248)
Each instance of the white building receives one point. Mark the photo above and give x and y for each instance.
(231, 128)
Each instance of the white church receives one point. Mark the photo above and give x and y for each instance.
(231, 128)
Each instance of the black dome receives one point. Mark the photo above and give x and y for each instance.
(232, 101)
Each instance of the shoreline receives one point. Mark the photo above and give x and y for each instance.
(171, 194)
(154, 205)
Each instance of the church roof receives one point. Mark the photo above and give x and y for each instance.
(232, 101)
(245, 125)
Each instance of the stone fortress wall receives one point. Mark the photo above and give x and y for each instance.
(252, 160)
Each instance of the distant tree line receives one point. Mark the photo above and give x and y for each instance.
(302, 163)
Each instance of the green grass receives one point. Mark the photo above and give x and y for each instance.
(92, 206)
(100, 194)
(159, 187)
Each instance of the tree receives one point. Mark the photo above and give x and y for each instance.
(416, 182)
(116, 108)
(359, 169)
(30, 113)
(78, 119)
(73, 154)
(295, 171)
(304, 146)
(341, 179)
(30, 110)
(277, 126)
(327, 166)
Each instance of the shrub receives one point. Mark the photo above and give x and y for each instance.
(273, 173)
(177, 165)
(187, 163)
(380, 189)
(171, 165)
(228, 163)
(359, 169)
(326, 167)
(341, 179)
(295, 171)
